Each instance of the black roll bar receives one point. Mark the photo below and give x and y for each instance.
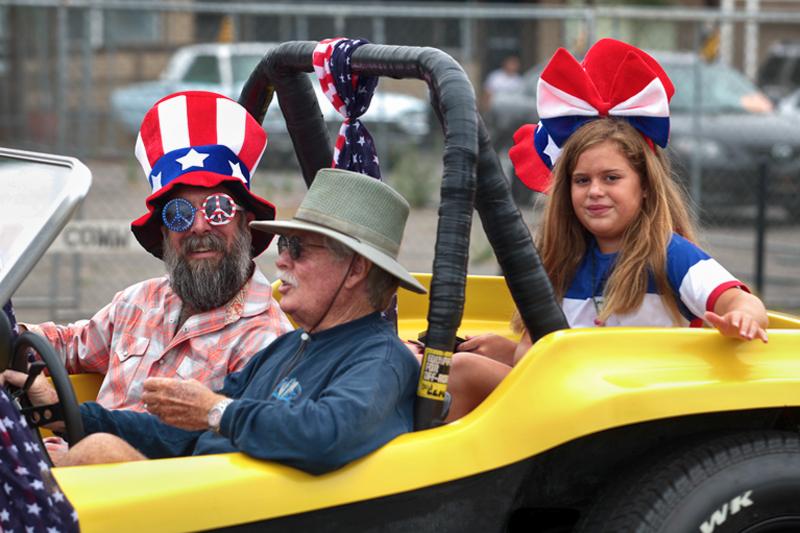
(283, 70)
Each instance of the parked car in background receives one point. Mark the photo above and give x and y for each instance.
(225, 67)
(722, 130)
(779, 74)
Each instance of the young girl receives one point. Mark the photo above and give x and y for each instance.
(617, 237)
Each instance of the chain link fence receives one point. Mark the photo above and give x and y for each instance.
(76, 78)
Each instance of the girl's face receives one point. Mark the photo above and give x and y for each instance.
(606, 194)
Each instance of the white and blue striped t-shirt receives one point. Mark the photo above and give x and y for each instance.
(696, 279)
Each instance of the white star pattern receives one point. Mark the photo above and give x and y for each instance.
(361, 140)
(29, 529)
(193, 158)
(156, 179)
(14, 448)
(28, 447)
(23, 422)
(37, 485)
(552, 150)
(4, 516)
(58, 496)
(52, 530)
(8, 423)
(34, 509)
(43, 466)
(236, 171)
(7, 488)
(21, 470)
(74, 516)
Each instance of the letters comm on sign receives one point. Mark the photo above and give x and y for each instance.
(97, 236)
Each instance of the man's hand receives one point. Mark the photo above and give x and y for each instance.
(180, 403)
(737, 324)
(41, 391)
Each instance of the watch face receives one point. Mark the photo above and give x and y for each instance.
(214, 416)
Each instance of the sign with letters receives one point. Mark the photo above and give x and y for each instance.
(96, 236)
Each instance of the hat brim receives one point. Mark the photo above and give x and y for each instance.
(147, 228)
(380, 259)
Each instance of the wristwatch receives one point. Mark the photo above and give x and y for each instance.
(215, 414)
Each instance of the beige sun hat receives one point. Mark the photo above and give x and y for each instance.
(359, 211)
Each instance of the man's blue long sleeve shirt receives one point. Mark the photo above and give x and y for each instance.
(315, 404)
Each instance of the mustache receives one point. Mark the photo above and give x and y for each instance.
(286, 277)
(209, 241)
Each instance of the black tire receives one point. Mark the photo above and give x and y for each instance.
(746, 482)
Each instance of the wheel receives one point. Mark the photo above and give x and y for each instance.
(67, 408)
(746, 482)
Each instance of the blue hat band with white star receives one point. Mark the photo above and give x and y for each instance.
(215, 158)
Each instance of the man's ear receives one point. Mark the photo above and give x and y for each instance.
(359, 269)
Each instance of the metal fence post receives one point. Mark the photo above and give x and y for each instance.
(761, 222)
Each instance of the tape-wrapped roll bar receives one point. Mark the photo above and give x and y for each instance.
(283, 69)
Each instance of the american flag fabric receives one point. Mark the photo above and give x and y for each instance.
(350, 95)
(30, 498)
(8, 309)
(615, 79)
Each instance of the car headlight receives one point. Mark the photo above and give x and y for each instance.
(705, 148)
(782, 152)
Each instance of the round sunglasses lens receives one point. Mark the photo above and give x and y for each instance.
(219, 209)
(178, 214)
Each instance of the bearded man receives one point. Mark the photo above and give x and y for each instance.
(214, 310)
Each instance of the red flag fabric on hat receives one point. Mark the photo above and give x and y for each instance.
(202, 139)
(615, 79)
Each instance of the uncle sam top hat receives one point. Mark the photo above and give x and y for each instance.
(203, 139)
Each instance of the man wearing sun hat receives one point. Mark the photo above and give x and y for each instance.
(337, 388)
(214, 309)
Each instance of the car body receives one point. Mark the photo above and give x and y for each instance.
(720, 136)
(581, 411)
(224, 68)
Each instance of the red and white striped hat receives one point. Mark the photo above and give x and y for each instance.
(203, 139)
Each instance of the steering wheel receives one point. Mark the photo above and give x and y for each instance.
(67, 408)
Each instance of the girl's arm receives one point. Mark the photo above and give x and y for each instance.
(523, 346)
(739, 314)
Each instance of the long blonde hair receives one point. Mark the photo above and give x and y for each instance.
(563, 240)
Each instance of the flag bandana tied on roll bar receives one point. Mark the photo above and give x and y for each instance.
(615, 79)
(350, 95)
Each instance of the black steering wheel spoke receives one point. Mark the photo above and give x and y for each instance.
(43, 415)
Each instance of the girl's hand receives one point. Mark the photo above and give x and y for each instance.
(737, 324)
(490, 345)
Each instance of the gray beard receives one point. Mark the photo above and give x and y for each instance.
(208, 283)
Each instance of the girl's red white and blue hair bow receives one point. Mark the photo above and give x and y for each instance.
(615, 79)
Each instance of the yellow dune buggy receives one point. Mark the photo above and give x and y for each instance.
(607, 429)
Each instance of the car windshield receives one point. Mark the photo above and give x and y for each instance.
(39, 195)
(204, 69)
(723, 88)
(243, 66)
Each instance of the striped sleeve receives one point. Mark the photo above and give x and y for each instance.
(698, 278)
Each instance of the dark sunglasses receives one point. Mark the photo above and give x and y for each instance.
(295, 245)
(218, 209)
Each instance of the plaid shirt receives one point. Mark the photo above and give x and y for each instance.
(134, 337)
